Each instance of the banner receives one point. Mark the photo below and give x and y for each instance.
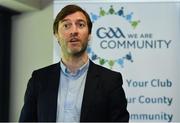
(142, 41)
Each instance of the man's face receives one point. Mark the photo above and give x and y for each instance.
(73, 34)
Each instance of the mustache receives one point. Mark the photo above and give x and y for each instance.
(74, 39)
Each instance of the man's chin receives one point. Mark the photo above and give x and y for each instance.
(77, 52)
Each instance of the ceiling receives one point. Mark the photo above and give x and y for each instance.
(23, 5)
(29, 5)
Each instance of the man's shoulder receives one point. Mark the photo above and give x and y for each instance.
(103, 69)
(109, 77)
(49, 68)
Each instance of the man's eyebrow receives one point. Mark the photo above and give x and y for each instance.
(64, 20)
(79, 20)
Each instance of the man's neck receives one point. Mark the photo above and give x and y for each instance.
(73, 62)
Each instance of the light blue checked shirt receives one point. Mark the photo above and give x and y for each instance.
(70, 94)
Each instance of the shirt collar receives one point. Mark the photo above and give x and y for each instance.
(77, 74)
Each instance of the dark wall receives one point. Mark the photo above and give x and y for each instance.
(5, 50)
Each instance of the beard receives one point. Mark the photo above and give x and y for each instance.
(76, 52)
(81, 51)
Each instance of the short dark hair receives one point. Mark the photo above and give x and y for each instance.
(67, 10)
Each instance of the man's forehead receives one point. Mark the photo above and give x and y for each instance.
(75, 16)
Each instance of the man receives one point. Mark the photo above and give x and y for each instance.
(75, 89)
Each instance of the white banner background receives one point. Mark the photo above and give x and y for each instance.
(144, 45)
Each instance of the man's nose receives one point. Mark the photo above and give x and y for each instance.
(74, 30)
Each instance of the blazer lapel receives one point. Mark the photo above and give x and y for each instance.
(89, 90)
(53, 86)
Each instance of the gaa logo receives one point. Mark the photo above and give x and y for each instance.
(109, 30)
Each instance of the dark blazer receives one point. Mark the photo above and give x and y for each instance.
(103, 99)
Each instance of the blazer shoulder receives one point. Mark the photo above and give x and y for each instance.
(104, 70)
(47, 69)
(109, 79)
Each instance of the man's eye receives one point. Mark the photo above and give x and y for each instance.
(66, 26)
(81, 25)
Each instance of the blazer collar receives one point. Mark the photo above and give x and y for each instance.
(53, 85)
(89, 90)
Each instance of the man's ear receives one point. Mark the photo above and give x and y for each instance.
(56, 35)
(89, 37)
